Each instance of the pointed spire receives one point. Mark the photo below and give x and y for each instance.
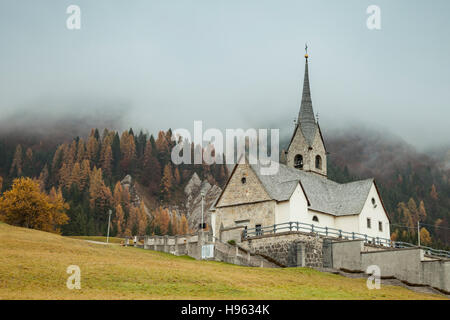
(306, 118)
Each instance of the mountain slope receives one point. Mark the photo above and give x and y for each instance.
(33, 266)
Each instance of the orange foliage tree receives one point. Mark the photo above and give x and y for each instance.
(26, 206)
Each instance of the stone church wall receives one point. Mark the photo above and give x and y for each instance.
(291, 249)
(239, 191)
(229, 219)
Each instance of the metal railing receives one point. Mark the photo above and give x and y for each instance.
(337, 233)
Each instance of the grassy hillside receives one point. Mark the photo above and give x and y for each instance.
(33, 266)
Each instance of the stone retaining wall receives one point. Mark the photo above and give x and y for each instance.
(291, 249)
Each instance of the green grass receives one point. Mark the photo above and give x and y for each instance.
(33, 266)
(98, 238)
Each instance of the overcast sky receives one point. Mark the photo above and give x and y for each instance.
(231, 63)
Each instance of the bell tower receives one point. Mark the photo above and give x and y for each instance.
(306, 150)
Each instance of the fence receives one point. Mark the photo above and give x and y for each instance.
(337, 233)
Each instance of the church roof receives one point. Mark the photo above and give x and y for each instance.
(323, 195)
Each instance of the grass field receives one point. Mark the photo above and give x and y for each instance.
(33, 266)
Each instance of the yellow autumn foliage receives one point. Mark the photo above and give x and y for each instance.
(26, 206)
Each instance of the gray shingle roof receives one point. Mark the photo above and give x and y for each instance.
(324, 195)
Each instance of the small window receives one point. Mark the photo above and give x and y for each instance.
(298, 161)
(244, 180)
(368, 223)
(374, 203)
(380, 226)
(318, 162)
(315, 219)
(258, 230)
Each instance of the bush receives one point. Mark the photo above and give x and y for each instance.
(232, 242)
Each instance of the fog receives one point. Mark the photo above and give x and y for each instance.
(156, 65)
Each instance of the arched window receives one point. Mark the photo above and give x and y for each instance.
(318, 162)
(244, 180)
(298, 161)
(315, 219)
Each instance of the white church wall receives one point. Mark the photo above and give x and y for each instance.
(282, 212)
(325, 220)
(348, 223)
(376, 214)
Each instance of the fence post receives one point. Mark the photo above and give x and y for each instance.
(377, 241)
(340, 233)
(274, 228)
(353, 236)
(365, 236)
(326, 231)
(290, 226)
(312, 228)
(297, 225)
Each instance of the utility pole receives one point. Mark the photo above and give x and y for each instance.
(109, 222)
(418, 233)
(203, 197)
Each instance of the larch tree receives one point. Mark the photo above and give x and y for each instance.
(142, 219)
(92, 148)
(433, 192)
(81, 151)
(184, 226)
(43, 178)
(422, 211)
(85, 173)
(16, 166)
(117, 195)
(128, 151)
(164, 222)
(75, 178)
(425, 237)
(119, 220)
(106, 160)
(167, 181)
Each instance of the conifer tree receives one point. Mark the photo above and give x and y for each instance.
(16, 166)
(167, 181)
(106, 160)
(425, 238)
(184, 227)
(119, 220)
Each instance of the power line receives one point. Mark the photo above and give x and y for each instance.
(422, 224)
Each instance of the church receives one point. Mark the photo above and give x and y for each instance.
(300, 191)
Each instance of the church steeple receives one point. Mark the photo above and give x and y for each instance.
(306, 150)
(306, 118)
